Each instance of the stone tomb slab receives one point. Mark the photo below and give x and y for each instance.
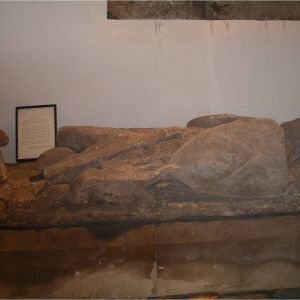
(228, 256)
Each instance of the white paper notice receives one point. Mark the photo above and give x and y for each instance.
(36, 131)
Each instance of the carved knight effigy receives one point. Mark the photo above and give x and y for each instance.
(218, 165)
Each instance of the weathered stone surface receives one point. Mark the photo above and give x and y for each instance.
(79, 138)
(292, 138)
(53, 156)
(2, 211)
(85, 184)
(3, 170)
(131, 174)
(127, 170)
(245, 158)
(168, 187)
(18, 191)
(225, 256)
(294, 173)
(204, 10)
(292, 142)
(67, 169)
(4, 140)
(111, 144)
(91, 186)
(131, 167)
(54, 205)
(54, 196)
(212, 120)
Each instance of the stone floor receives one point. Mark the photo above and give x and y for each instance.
(254, 257)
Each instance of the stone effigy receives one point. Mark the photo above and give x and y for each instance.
(244, 158)
(124, 205)
(292, 130)
(292, 136)
(218, 165)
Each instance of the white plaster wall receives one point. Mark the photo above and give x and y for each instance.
(142, 73)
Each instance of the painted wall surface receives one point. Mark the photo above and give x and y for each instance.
(142, 73)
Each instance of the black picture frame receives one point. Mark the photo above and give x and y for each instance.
(53, 120)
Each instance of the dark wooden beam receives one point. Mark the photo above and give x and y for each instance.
(204, 10)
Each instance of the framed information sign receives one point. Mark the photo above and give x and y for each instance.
(36, 128)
